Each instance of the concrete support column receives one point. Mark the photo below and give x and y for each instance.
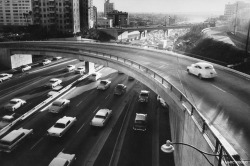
(89, 67)
(165, 33)
(140, 37)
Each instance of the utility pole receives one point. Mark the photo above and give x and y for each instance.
(235, 22)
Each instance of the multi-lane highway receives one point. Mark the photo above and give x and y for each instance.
(115, 144)
(224, 101)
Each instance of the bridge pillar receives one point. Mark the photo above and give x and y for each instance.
(165, 33)
(143, 34)
(89, 67)
(13, 61)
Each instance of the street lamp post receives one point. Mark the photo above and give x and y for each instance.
(247, 42)
(169, 148)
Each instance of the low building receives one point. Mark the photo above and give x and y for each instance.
(120, 19)
(104, 22)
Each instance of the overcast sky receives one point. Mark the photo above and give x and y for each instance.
(167, 6)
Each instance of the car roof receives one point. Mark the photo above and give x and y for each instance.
(8, 117)
(203, 64)
(102, 112)
(54, 79)
(120, 85)
(12, 135)
(58, 161)
(15, 99)
(144, 91)
(70, 65)
(63, 120)
(140, 116)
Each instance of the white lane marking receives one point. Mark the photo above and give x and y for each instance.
(96, 109)
(80, 127)
(106, 97)
(36, 143)
(218, 88)
(80, 103)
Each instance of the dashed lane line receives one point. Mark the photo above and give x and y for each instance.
(218, 88)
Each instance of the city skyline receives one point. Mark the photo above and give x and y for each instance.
(167, 6)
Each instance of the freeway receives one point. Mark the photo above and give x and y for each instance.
(224, 101)
(95, 146)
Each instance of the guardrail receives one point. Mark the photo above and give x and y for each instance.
(217, 143)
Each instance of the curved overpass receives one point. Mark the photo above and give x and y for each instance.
(224, 102)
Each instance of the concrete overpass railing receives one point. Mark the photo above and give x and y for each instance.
(187, 123)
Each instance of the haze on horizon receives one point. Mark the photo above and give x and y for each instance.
(167, 6)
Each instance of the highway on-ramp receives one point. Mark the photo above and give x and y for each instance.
(224, 101)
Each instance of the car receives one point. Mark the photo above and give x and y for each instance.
(130, 78)
(52, 93)
(101, 118)
(24, 68)
(70, 68)
(104, 84)
(120, 89)
(162, 102)
(95, 76)
(120, 72)
(5, 120)
(5, 76)
(58, 105)
(202, 70)
(56, 58)
(53, 83)
(140, 122)
(61, 126)
(10, 141)
(80, 70)
(63, 159)
(14, 104)
(45, 62)
(144, 96)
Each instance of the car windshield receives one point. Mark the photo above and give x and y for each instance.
(144, 94)
(13, 102)
(57, 103)
(52, 81)
(119, 87)
(59, 125)
(45, 60)
(80, 68)
(69, 66)
(24, 66)
(140, 122)
(208, 67)
(103, 82)
(100, 116)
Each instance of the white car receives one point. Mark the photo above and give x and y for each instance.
(10, 141)
(54, 82)
(162, 102)
(5, 120)
(95, 76)
(70, 68)
(24, 68)
(5, 76)
(202, 70)
(140, 122)
(45, 62)
(61, 126)
(101, 117)
(80, 70)
(56, 58)
(144, 96)
(63, 159)
(14, 104)
(52, 93)
(104, 84)
(58, 105)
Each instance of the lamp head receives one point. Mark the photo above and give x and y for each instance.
(168, 147)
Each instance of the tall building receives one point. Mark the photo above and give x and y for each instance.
(15, 12)
(86, 13)
(57, 15)
(108, 7)
(231, 9)
(120, 19)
